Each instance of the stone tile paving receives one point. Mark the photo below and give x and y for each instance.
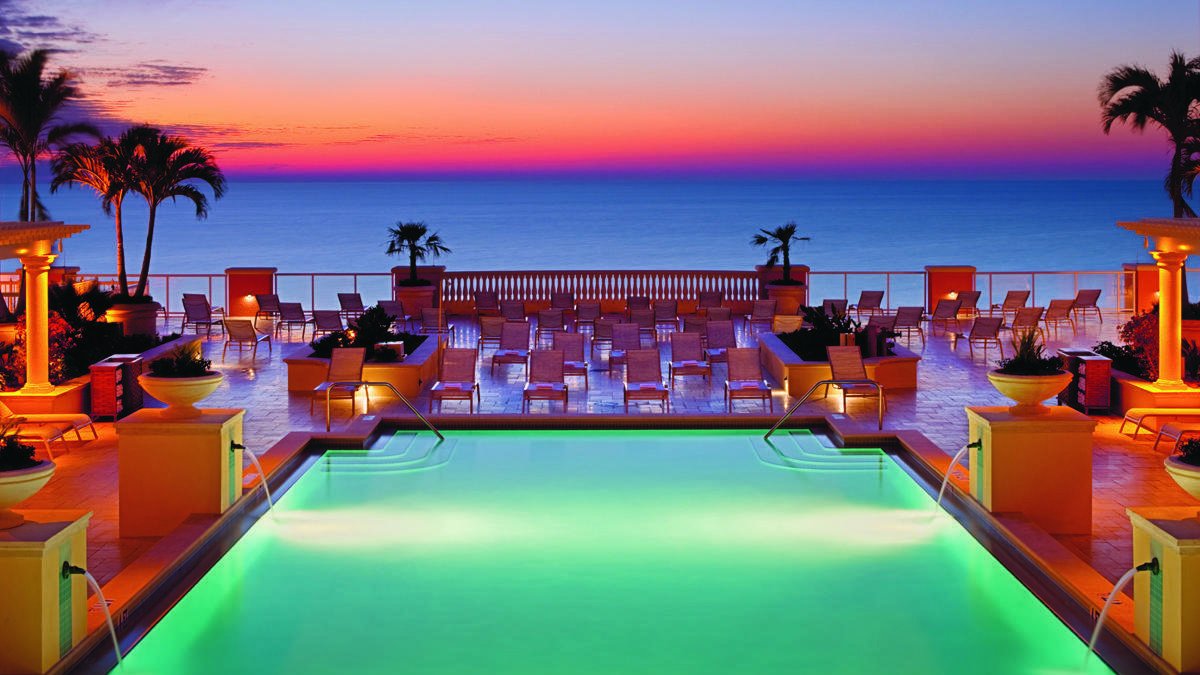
(1126, 472)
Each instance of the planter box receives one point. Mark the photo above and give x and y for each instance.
(72, 396)
(798, 376)
(1133, 392)
(415, 373)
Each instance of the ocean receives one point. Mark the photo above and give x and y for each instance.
(644, 223)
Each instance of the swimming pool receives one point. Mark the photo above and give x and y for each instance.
(607, 552)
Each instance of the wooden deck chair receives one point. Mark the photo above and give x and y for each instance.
(970, 302)
(707, 300)
(489, 331)
(456, 377)
(687, 358)
(433, 322)
(326, 321)
(945, 313)
(719, 314)
(602, 333)
(870, 303)
(1059, 313)
(643, 379)
(1013, 300)
(720, 339)
(549, 322)
(644, 320)
(487, 303)
(395, 309)
(198, 313)
(884, 321)
(268, 307)
(572, 347)
(666, 315)
(985, 331)
(908, 322)
(834, 307)
(241, 332)
(846, 364)
(291, 314)
(745, 378)
(626, 337)
(545, 381)
(514, 344)
(344, 378)
(1027, 320)
(586, 313)
(351, 304)
(564, 301)
(695, 323)
(1087, 300)
(633, 302)
(762, 313)
(512, 310)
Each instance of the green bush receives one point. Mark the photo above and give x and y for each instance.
(180, 362)
(373, 327)
(1030, 359)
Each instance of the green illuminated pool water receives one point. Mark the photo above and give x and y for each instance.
(607, 552)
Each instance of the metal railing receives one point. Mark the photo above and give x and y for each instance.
(347, 384)
(828, 383)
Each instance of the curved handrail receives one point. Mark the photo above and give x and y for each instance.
(402, 397)
(826, 383)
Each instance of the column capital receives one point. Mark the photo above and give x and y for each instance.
(38, 261)
(1169, 259)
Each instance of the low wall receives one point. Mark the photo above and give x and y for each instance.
(410, 376)
(1133, 392)
(797, 376)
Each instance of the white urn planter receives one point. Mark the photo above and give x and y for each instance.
(1029, 390)
(19, 485)
(181, 393)
(1187, 475)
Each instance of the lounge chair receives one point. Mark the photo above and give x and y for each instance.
(487, 303)
(602, 333)
(945, 313)
(395, 309)
(489, 331)
(44, 433)
(572, 347)
(695, 323)
(745, 378)
(1027, 320)
(908, 321)
(970, 302)
(1138, 416)
(351, 304)
(291, 314)
(343, 380)
(687, 358)
(718, 314)
(786, 323)
(241, 332)
(1176, 431)
(512, 310)
(186, 296)
(985, 331)
(883, 321)
(762, 313)
(708, 300)
(198, 313)
(326, 321)
(846, 365)
(545, 379)
(433, 322)
(633, 302)
(1013, 300)
(456, 379)
(45, 428)
(834, 307)
(644, 320)
(586, 313)
(666, 315)
(1059, 313)
(626, 337)
(549, 322)
(643, 379)
(721, 338)
(870, 303)
(268, 307)
(563, 301)
(1087, 300)
(514, 345)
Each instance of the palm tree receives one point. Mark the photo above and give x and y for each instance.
(781, 239)
(168, 167)
(106, 168)
(1136, 96)
(414, 239)
(30, 107)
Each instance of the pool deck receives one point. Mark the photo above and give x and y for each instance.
(1125, 472)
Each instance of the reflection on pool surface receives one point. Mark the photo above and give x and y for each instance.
(607, 552)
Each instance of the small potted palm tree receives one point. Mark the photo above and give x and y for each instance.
(21, 476)
(788, 293)
(181, 379)
(1185, 467)
(1029, 376)
(415, 241)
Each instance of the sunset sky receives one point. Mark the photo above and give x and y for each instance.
(807, 88)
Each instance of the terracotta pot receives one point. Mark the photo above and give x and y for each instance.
(1187, 475)
(17, 486)
(181, 393)
(135, 319)
(415, 298)
(787, 298)
(1029, 390)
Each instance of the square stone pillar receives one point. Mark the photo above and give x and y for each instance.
(242, 284)
(1167, 605)
(941, 281)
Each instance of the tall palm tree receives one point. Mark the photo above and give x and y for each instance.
(168, 167)
(30, 108)
(781, 239)
(106, 168)
(1136, 96)
(415, 240)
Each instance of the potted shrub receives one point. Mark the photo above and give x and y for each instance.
(1185, 467)
(788, 293)
(21, 476)
(415, 241)
(1029, 376)
(180, 379)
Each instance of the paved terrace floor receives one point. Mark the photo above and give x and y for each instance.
(1126, 473)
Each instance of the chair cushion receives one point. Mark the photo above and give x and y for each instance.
(747, 385)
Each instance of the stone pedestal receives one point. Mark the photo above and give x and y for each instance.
(1039, 466)
(42, 615)
(170, 469)
(1167, 605)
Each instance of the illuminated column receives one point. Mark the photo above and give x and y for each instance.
(37, 322)
(1170, 318)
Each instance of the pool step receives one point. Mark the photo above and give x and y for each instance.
(802, 451)
(413, 453)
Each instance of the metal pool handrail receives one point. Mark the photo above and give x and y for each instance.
(826, 383)
(395, 391)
